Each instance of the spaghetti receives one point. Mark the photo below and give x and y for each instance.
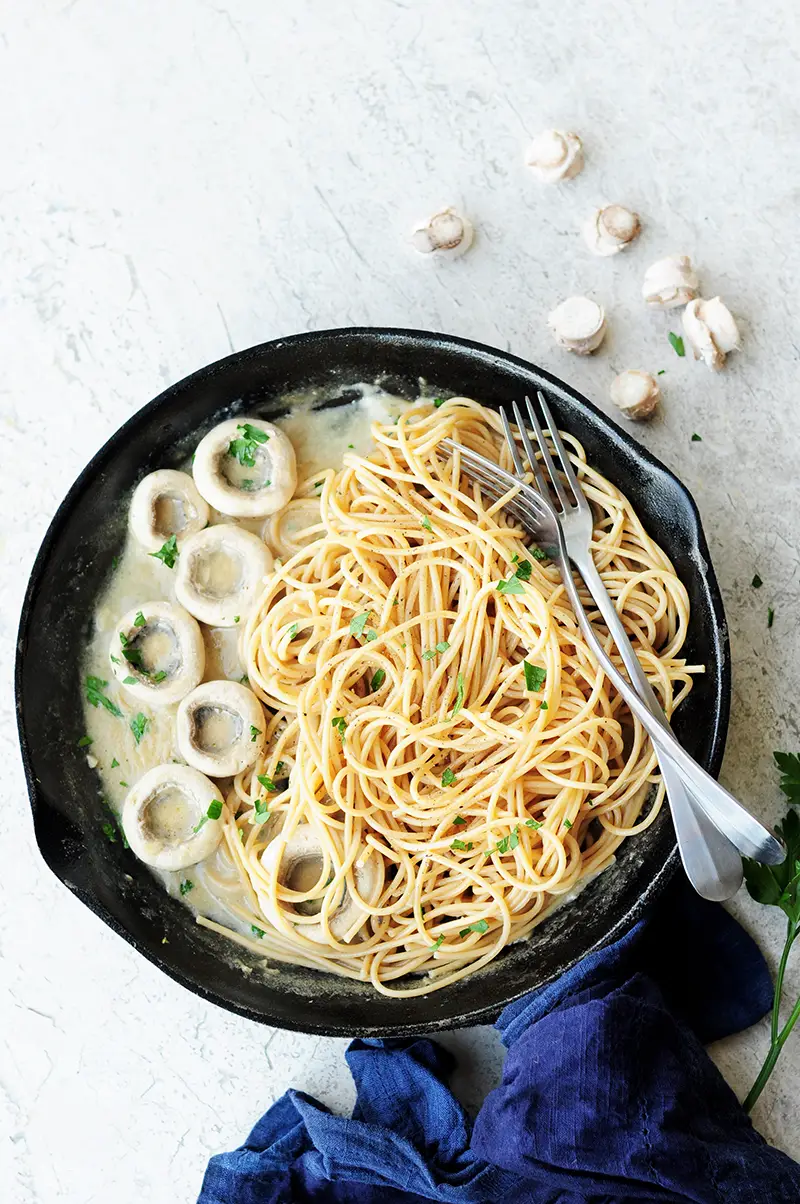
(443, 744)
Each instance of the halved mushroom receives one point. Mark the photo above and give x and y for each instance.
(220, 573)
(711, 331)
(611, 229)
(245, 468)
(293, 527)
(579, 324)
(635, 393)
(171, 817)
(298, 863)
(555, 155)
(157, 653)
(446, 234)
(220, 728)
(670, 282)
(166, 503)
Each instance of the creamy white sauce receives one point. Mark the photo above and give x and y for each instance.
(321, 439)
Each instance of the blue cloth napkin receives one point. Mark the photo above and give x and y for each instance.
(607, 1094)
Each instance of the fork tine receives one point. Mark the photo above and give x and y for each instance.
(561, 451)
(547, 459)
(529, 452)
(512, 444)
(498, 481)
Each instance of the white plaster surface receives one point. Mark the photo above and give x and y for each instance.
(178, 180)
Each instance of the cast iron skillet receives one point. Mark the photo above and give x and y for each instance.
(75, 560)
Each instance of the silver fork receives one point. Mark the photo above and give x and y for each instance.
(537, 515)
(712, 862)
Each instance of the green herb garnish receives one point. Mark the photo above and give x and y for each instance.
(261, 809)
(168, 552)
(214, 812)
(676, 343)
(256, 931)
(543, 706)
(160, 675)
(340, 724)
(244, 448)
(439, 401)
(524, 570)
(255, 732)
(267, 782)
(459, 696)
(567, 823)
(96, 698)
(426, 523)
(537, 553)
(770, 616)
(756, 582)
(139, 726)
(292, 630)
(358, 623)
(378, 678)
(140, 620)
(129, 681)
(661, 372)
(448, 777)
(236, 618)
(110, 832)
(535, 677)
(370, 636)
(697, 438)
(85, 741)
(789, 765)
(186, 886)
(534, 823)
(124, 785)
(459, 821)
(437, 944)
(115, 764)
(513, 585)
(477, 926)
(461, 846)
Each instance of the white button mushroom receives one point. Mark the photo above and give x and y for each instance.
(220, 573)
(171, 817)
(555, 155)
(711, 331)
(611, 229)
(245, 468)
(166, 503)
(220, 728)
(670, 282)
(578, 324)
(157, 653)
(448, 233)
(635, 393)
(298, 863)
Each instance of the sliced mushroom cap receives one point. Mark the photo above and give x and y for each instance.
(635, 393)
(220, 573)
(711, 331)
(166, 503)
(611, 229)
(165, 817)
(579, 324)
(220, 728)
(446, 233)
(298, 863)
(157, 653)
(670, 282)
(245, 468)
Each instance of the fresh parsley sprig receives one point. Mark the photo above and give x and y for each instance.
(779, 886)
(245, 447)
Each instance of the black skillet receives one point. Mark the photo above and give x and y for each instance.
(74, 562)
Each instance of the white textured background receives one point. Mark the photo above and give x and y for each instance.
(178, 180)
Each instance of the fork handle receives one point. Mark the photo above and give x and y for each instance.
(711, 861)
(726, 813)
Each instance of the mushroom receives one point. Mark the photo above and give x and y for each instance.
(611, 229)
(670, 282)
(711, 331)
(245, 468)
(220, 728)
(157, 653)
(166, 503)
(447, 232)
(555, 155)
(298, 862)
(171, 817)
(220, 572)
(635, 393)
(578, 324)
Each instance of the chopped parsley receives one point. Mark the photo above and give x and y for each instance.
(459, 696)
(255, 732)
(448, 777)
(114, 563)
(160, 675)
(378, 678)
(477, 926)
(697, 438)
(115, 763)
(139, 726)
(140, 620)
(96, 698)
(426, 523)
(115, 659)
(508, 842)
(340, 723)
(661, 372)
(770, 616)
(262, 810)
(292, 630)
(186, 886)
(430, 653)
(123, 639)
(524, 570)
(245, 446)
(537, 553)
(371, 635)
(267, 782)
(110, 832)
(543, 706)
(535, 676)
(461, 846)
(437, 943)
(236, 618)
(439, 401)
(318, 484)
(351, 446)
(168, 552)
(459, 821)
(358, 623)
(85, 741)
(214, 812)
(256, 931)
(129, 681)
(534, 823)
(756, 582)
(134, 657)
(567, 823)
(514, 583)
(124, 785)
(676, 343)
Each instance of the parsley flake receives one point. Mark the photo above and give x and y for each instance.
(426, 523)
(448, 777)
(568, 823)
(512, 586)
(437, 944)
(291, 630)
(255, 732)
(537, 553)
(140, 620)
(524, 570)
(534, 823)
(139, 726)
(261, 807)
(168, 552)
(770, 616)
(756, 582)
(378, 678)
(245, 446)
(358, 623)
(110, 832)
(459, 696)
(459, 821)
(676, 343)
(85, 741)
(340, 723)
(214, 812)
(661, 372)
(115, 764)
(96, 698)
(129, 681)
(535, 676)
(186, 886)
(461, 846)
(697, 438)
(439, 401)
(256, 931)
(477, 926)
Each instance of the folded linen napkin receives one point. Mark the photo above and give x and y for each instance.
(607, 1094)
